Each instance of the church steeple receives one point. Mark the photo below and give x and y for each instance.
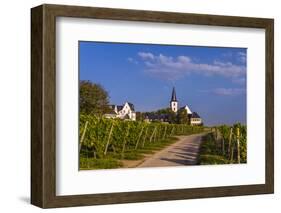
(174, 102)
(174, 96)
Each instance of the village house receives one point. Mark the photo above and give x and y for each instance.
(154, 117)
(126, 111)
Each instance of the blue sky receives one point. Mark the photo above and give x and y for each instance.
(211, 81)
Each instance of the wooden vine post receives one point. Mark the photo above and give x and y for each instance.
(164, 135)
(143, 142)
(217, 136)
(108, 139)
(139, 137)
(125, 141)
(150, 139)
(83, 135)
(238, 144)
(229, 141)
(172, 132)
(223, 151)
(155, 135)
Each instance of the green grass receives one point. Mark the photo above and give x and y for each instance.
(128, 155)
(145, 151)
(158, 145)
(91, 163)
(212, 159)
(112, 160)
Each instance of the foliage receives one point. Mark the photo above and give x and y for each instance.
(168, 113)
(93, 98)
(140, 116)
(164, 111)
(225, 144)
(182, 117)
(213, 159)
(210, 153)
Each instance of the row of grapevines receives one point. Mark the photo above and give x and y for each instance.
(234, 142)
(103, 136)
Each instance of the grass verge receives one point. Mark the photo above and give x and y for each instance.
(112, 160)
(91, 163)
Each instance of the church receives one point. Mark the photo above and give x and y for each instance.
(194, 118)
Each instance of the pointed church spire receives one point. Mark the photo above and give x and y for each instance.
(174, 97)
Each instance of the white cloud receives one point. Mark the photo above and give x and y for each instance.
(144, 55)
(131, 60)
(241, 80)
(225, 91)
(229, 91)
(242, 57)
(173, 68)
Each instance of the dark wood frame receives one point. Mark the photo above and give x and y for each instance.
(43, 105)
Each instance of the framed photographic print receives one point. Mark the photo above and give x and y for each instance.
(137, 106)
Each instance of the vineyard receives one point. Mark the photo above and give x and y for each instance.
(225, 145)
(104, 143)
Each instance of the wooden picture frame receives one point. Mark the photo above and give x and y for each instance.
(43, 105)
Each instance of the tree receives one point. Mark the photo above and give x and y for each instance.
(140, 116)
(164, 111)
(93, 99)
(172, 116)
(182, 117)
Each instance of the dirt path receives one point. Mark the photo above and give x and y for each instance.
(183, 152)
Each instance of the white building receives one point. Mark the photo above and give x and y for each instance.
(126, 111)
(195, 119)
(188, 111)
